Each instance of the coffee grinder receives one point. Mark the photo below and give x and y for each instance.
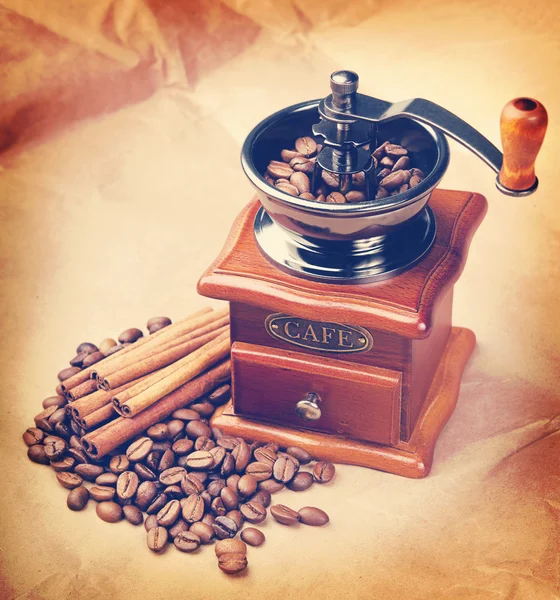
(342, 341)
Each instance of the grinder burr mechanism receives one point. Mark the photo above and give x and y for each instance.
(383, 235)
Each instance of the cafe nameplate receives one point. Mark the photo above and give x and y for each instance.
(318, 335)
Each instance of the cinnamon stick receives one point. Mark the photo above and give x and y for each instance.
(157, 361)
(194, 364)
(80, 377)
(85, 388)
(115, 433)
(98, 417)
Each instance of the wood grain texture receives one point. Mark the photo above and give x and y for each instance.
(402, 305)
(356, 401)
(409, 459)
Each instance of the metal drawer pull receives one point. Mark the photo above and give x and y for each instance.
(308, 408)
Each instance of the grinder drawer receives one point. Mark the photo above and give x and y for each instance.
(355, 400)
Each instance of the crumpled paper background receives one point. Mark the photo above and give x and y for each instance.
(120, 128)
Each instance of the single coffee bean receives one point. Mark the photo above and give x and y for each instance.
(55, 447)
(64, 464)
(152, 460)
(174, 492)
(195, 429)
(102, 493)
(232, 481)
(387, 163)
(253, 512)
(182, 447)
(58, 401)
(209, 519)
(203, 531)
(175, 427)
(204, 443)
(215, 487)
(237, 517)
(217, 507)
(263, 498)
(172, 476)
(288, 155)
(230, 498)
(414, 181)
(395, 151)
(301, 182)
(133, 514)
(92, 358)
(381, 193)
(62, 430)
(129, 336)
(106, 345)
(242, 456)
(202, 475)
(224, 527)
(402, 163)
(417, 173)
(77, 498)
(67, 373)
(115, 349)
(284, 514)
(382, 173)
(287, 188)
(74, 442)
(323, 472)
(306, 146)
(33, 435)
(79, 456)
(169, 513)
(109, 479)
(78, 360)
(301, 482)
(119, 464)
(404, 187)
(229, 442)
(69, 480)
(127, 485)
(186, 414)
(187, 541)
(193, 508)
(303, 166)
(157, 539)
(89, 472)
(270, 485)
(284, 469)
(139, 449)
(355, 196)
(86, 347)
(309, 515)
(157, 503)
(178, 527)
(58, 416)
(232, 563)
(228, 465)
(145, 494)
(158, 432)
(265, 455)
(247, 485)
(394, 180)
(253, 537)
(191, 484)
(278, 169)
(110, 512)
(162, 446)
(158, 322)
(259, 471)
(230, 545)
(144, 473)
(331, 179)
(200, 459)
(218, 454)
(300, 454)
(150, 522)
(307, 196)
(220, 395)
(335, 198)
(204, 409)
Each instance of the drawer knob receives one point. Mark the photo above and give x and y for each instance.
(308, 408)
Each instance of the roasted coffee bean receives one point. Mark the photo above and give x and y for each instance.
(62, 430)
(157, 539)
(301, 482)
(115, 349)
(158, 322)
(106, 345)
(307, 167)
(224, 527)
(174, 492)
(139, 449)
(64, 464)
(187, 541)
(178, 527)
(69, 480)
(232, 563)
(200, 459)
(79, 456)
(119, 464)
(229, 442)
(150, 522)
(395, 151)
(230, 498)
(86, 347)
(414, 181)
(203, 408)
(253, 512)
(331, 179)
(263, 498)
(33, 435)
(193, 508)
(157, 503)
(387, 162)
(144, 473)
(217, 507)
(175, 428)
(236, 516)
(220, 395)
(102, 493)
(301, 182)
(195, 429)
(55, 447)
(355, 196)
(402, 163)
(127, 485)
(201, 475)
(228, 545)
(218, 454)
(109, 479)
(232, 481)
(133, 514)
(381, 193)
(207, 499)
(247, 485)
(215, 487)
(265, 455)
(158, 432)
(110, 512)
(323, 472)
(152, 460)
(253, 537)
(58, 401)
(162, 446)
(382, 173)
(394, 180)
(277, 169)
(92, 358)
(58, 416)
(287, 188)
(228, 465)
(203, 531)
(77, 498)
(191, 484)
(186, 414)
(301, 455)
(242, 456)
(335, 198)
(307, 196)
(270, 485)
(129, 336)
(182, 447)
(309, 515)
(89, 472)
(260, 471)
(145, 494)
(172, 476)
(284, 468)
(169, 513)
(284, 514)
(209, 519)
(404, 187)
(67, 373)
(306, 146)
(204, 443)
(287, 155)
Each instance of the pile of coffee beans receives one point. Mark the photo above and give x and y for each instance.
(293, 174)
(188, 483)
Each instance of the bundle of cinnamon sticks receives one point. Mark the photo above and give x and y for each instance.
(127, 392)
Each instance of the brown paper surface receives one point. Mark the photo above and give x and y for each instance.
(120, 129)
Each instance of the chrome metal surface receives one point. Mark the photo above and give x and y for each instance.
(358, 261)
(308, 408)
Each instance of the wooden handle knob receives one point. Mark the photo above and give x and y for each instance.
(522, 127)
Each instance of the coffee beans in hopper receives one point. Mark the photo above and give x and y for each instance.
(187, 482)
